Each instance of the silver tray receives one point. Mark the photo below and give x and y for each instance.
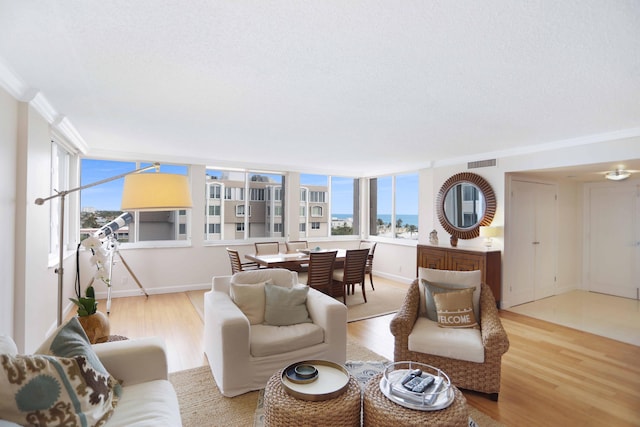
(440, 398)
(332, 380)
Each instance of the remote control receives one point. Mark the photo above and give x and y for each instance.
(410, 375)
(433, 390)
(412, 383)
(424, 383)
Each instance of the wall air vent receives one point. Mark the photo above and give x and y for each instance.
(482, 164)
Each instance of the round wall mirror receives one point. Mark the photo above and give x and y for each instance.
(465, 202)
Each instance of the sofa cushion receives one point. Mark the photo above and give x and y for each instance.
(286, 306)
(266, 340)
(51, 391)
(152, 403)
(462, 344)
(250, 299)
(455, 309)
(447, 279)
(279, 276)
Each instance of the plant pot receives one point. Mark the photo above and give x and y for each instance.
(96, 326)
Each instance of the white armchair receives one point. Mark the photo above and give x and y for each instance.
(243, 355)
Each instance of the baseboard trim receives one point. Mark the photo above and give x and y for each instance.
(153, 291)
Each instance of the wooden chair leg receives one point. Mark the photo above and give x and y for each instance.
(364, 295)
(371, 279)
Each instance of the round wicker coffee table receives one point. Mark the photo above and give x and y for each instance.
(379, 411)
(282, 409)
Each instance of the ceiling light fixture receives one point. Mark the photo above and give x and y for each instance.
(617, 175)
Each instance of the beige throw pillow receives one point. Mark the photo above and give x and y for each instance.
(250, 299)
(455, 309)
(286, 306)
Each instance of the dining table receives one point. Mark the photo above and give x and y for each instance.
(293, 260)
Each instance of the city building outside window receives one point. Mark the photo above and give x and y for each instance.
(260, 216)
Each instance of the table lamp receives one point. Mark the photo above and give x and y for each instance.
(489, 233)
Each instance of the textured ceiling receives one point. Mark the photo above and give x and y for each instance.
(358, 86)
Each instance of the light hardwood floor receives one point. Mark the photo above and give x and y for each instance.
(551, 376)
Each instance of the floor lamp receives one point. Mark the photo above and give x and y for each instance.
(141, 191)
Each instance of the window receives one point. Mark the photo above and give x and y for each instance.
(100, 205)
(303, 227)
(315, 226)
(256, 217)
(316, 211)
(214, 192)
(393, 202)
(59, 180)
(257, 194)
(240, 210)
(345, 206)
(317, 196)
(213, 228)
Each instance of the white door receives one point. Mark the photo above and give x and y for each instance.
(613, 241)
(532, 241)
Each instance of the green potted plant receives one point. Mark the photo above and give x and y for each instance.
(94, 322)
(87, 305)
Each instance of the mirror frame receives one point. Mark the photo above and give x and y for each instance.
(490, 204)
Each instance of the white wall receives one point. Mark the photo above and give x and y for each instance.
(8, 143)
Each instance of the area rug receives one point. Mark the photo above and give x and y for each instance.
(385, 299)
(202, 405)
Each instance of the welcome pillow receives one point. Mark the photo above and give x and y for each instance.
(455, 309)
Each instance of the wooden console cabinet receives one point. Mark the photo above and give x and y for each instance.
(444, 258)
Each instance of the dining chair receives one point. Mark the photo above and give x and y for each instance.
(353, 271)
(320, 273)
(267, 248)
(294, 246)
(369, 268)
(237, 265)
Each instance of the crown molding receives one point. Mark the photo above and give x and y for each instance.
(21, 91)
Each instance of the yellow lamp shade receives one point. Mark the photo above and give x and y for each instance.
(155, 192)
(486, 231)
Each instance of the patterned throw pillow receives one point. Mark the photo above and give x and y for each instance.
(70, 340)
(54, 391)
(455, 309)
(286, 306)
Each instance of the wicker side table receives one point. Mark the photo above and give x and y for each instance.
(282, 409)
(379, 411)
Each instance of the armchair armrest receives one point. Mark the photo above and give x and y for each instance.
(330, 314)
(134, 361)
(402, 323)
(494, 337)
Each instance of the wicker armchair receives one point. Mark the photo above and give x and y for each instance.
(483, 377)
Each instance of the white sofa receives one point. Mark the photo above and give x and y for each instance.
(243, 356)
(148, 398)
